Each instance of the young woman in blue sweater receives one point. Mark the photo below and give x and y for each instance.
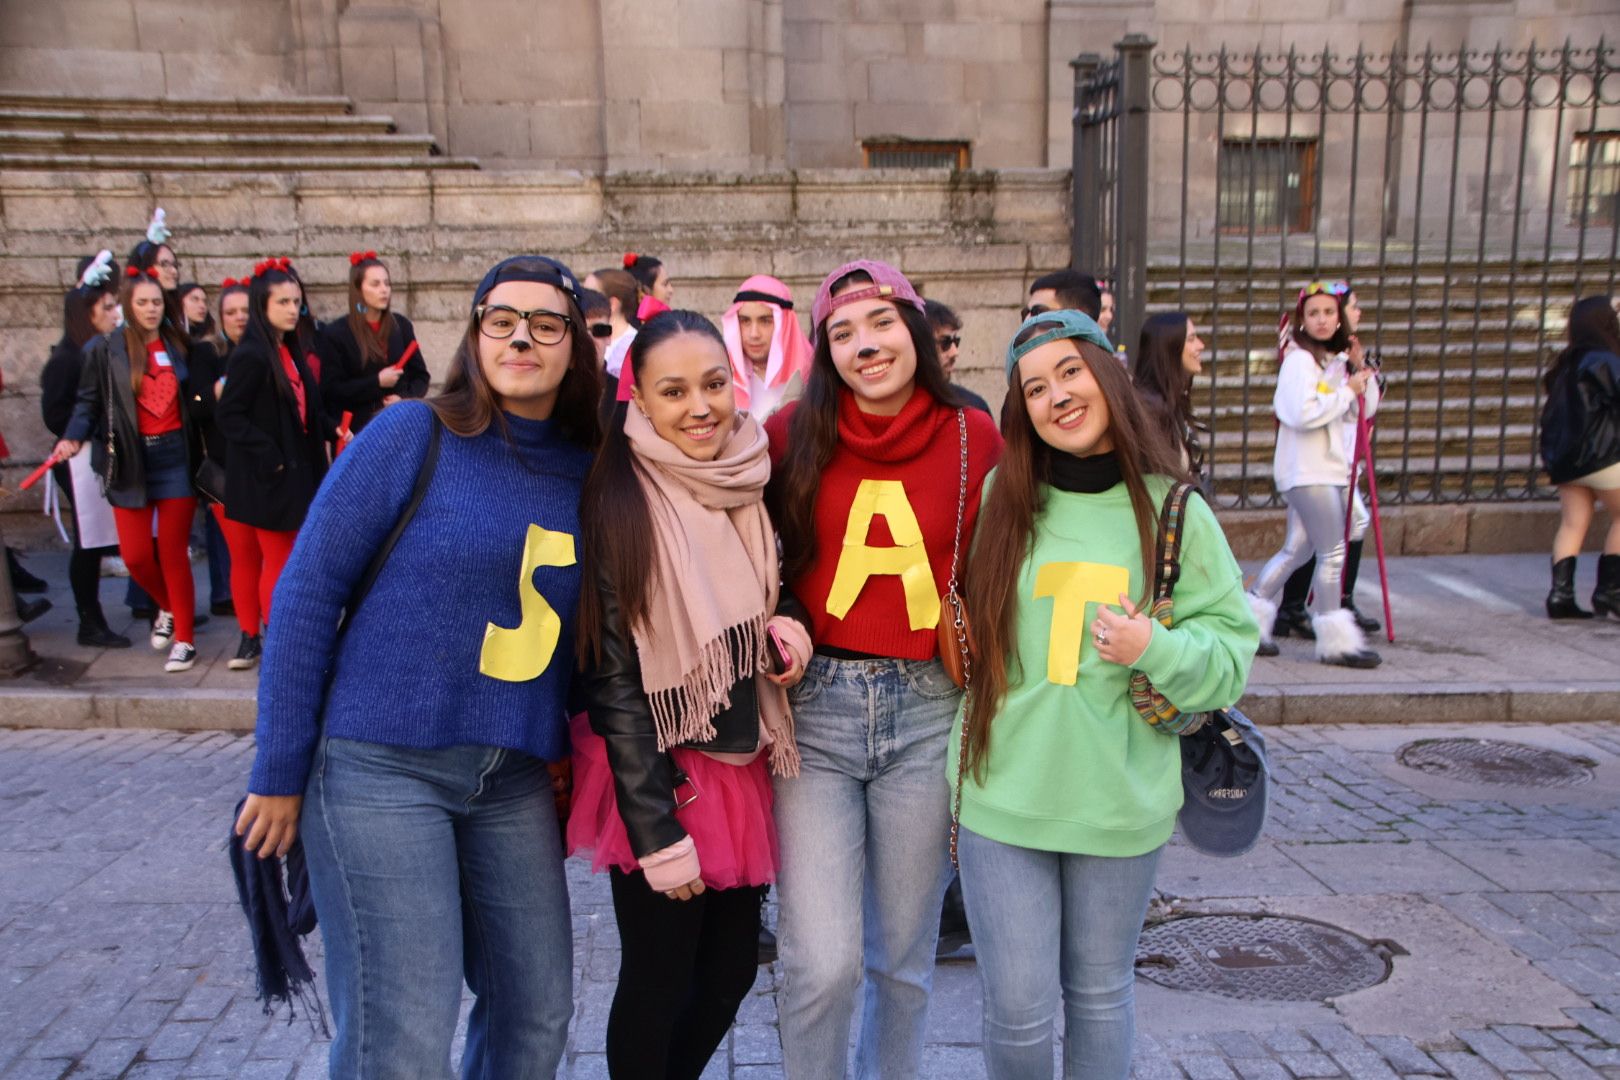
(410, 750)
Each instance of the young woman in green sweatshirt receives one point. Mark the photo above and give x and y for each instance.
(1067, 795)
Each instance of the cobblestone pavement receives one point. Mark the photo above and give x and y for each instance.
(122, 952)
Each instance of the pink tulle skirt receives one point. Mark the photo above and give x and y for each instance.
(730, 821)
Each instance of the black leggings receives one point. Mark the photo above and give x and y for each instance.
(84, 565)
(684, 969)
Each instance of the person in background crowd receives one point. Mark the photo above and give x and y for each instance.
(1580, 447)
(675, 640)
(598, 320)
(206, 368)
(369, 358)
(1292, 618)
(947, 328)
(623, 296)
(1169, 357)
(275, 431)
(652, 278)
(879, 434)
(1105, 308)
(133, 403)
(419, 786)
(89, 311)
(1064, 290)
(199, 324)
(770, 356)
(1316, 388)
(1068, 795)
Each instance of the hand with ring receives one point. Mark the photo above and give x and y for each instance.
(1121, 639)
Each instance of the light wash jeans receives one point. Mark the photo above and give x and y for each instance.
(427, 867)
(1045, 919)
(865, 840)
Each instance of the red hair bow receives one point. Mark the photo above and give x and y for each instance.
(132, 271)
(280, 262)
(630, 259)
(135, 272)
(229, 283)
(358, 257)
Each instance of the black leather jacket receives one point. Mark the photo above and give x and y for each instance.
(1580, 423)
(644, 779)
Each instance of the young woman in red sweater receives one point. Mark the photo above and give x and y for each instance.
(878, 467)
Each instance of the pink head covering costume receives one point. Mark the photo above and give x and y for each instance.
(790, 350)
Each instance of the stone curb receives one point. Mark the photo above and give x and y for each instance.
(1317, 703)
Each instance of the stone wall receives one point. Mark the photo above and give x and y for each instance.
(973, 240)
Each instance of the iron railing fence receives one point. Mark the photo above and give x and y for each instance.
(1470, 197)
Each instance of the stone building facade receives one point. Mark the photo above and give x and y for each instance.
(705, 85)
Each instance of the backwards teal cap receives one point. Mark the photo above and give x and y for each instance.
(1071, 324)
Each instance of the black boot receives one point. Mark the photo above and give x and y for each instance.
(29, 610)
(1561, 600)
(21, 580)
(1347, 593)
(96, 634)
(1292, 619)
(1606, 597)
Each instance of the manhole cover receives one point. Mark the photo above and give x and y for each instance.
(1261, 957)
(1491, 761)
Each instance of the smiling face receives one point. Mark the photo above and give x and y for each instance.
(1321, 316)
(281, 306)
(233, 316)
(873, 353)
(194, 306)
(376, 290)
(145, 307)
(523, 374)
(684, 388)
(1064, 402)
(756, 320)
(1192, 353)
(104, 314)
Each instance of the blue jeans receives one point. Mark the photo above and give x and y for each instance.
(428, 866)
(1041, 919)
(864, 831)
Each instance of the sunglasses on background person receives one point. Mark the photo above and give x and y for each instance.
(948, 342)
(601, 329)
(1034, 310)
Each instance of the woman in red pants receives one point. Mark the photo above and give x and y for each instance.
(270, 415)
(132, 403)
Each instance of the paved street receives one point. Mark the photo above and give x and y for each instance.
(122, 952)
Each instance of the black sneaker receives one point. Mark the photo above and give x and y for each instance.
(247, 653)
(182, 657)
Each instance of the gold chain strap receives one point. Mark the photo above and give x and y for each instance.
(954, 598)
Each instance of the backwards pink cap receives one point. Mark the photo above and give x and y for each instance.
(888, 283)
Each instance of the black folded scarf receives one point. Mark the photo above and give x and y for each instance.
(278, 917)
(1084, 475)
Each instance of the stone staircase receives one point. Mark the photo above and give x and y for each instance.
(1463, 350)
(290, 134)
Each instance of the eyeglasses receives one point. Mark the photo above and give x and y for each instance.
(1034, 310)
(169, 264)
(601, 329)
(948, 342)
(1331, 288)
(500, 322)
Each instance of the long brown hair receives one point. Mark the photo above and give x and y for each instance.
(134, 339)
(1017, 498)
(813, 432)
(373, 343)
(615, 522)
(467, 404)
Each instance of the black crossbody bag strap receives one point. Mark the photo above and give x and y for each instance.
(424, 479)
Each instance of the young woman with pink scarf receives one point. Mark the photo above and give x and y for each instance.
(686, 697)
(766, 345)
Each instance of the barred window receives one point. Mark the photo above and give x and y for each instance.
(916, 154)
(1268, 180)
(1594, 177)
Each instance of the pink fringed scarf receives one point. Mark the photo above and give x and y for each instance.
(705, 628)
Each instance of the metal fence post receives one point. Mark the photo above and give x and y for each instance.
(1131, 187)
(1085, 239)
(15, 655)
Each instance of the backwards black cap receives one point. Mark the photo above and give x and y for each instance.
(539, 268)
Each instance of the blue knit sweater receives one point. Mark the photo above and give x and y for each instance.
(467, 636)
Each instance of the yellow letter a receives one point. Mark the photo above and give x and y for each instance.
(524, 653)
(908, 558)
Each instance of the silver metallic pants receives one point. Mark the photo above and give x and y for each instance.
(1315, 525)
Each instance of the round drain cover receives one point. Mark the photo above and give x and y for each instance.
(1491, 761)
(1259, 957)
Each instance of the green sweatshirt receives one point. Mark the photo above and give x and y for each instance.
(1071, 766)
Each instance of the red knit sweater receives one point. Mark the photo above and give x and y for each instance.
(917, 455)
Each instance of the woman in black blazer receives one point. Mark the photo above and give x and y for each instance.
(275, 432)
(362, 353)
